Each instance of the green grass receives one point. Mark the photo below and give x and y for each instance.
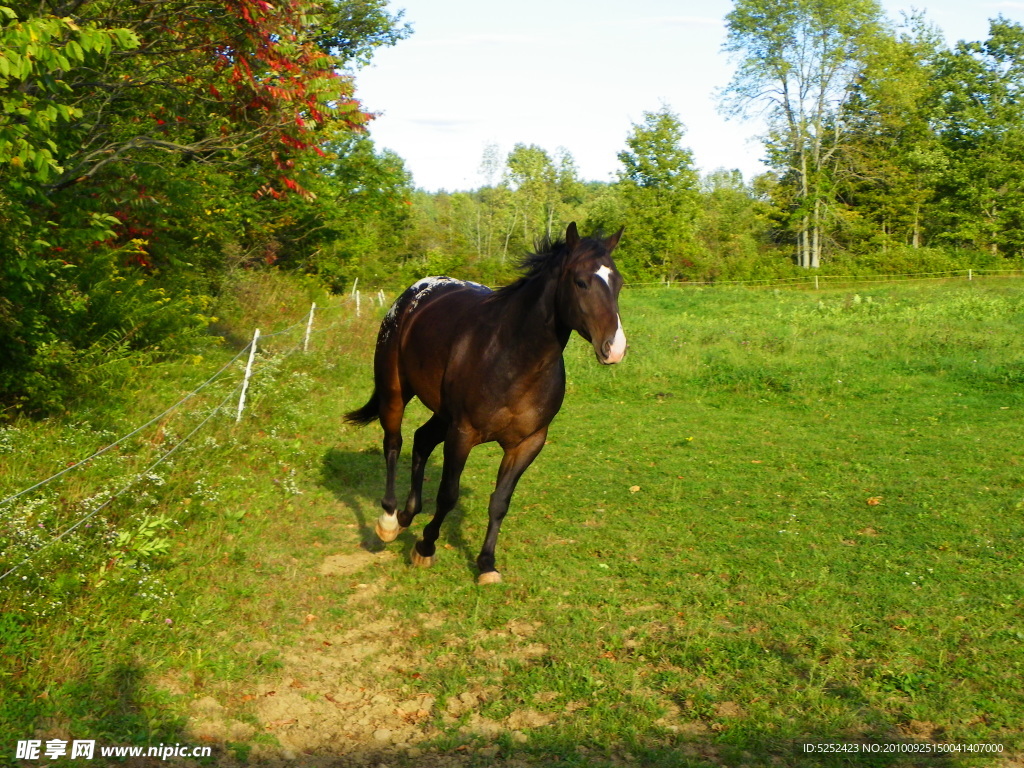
(787, 517)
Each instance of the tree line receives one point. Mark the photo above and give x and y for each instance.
(887, 149)
(150, 151)
(880, 135)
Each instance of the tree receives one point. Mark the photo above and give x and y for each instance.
(494, 211)
(797, 61)
(733, 220)
(981, 127)
(37, 58)
(356, 224)
(352, 30)
(212, 82)
(893, 157)
(532, 176)
(123, 126)
(571, 191)
(655, 157)
(658, 196)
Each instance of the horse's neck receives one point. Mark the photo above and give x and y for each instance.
(533, 322)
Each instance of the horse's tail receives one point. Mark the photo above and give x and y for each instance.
(368, 414)
(386, 349)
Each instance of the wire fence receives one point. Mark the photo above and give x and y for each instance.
(819, 281)
(354, 301)
(239, 389)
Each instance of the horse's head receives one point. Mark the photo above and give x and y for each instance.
(588, 293)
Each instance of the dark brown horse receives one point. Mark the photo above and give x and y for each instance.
(489, 365)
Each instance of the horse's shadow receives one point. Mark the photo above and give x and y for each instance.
(356, 478)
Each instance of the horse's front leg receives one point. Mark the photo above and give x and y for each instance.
(515, 461)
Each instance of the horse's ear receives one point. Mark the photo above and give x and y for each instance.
(614, 239)
(572, 236)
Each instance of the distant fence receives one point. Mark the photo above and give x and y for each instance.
(306, 325)
(819, 281)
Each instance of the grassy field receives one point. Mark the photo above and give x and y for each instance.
(787, 518)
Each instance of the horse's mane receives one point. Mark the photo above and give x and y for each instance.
(547, 255)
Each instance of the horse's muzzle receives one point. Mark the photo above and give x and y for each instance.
(613, 349)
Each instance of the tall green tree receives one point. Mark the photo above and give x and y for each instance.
(893, 156)
(356, 224)
(571, 190)
(658, 197)
(981, 127)
(544, 190)
(796, 62)
(733, 223)
(531, 174)
(495, 206)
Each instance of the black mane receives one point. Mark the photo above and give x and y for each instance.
(548, 254)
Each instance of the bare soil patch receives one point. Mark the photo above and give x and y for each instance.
(347, 696)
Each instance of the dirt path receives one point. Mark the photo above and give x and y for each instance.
(347, 697)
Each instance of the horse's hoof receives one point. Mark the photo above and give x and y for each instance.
(490, 577)
(420, 561)
(387, 532)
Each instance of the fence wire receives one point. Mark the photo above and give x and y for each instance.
(128, 486)
(135, 478)
(134, 432)
(304, 321)
(816, 280)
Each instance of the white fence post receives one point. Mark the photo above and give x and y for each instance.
(309, 328)
(357, 302)
(248, 373)
(970, 274)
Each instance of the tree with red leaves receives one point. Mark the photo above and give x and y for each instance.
(134, 143)
(234, 82)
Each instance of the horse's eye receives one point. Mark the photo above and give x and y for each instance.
(582, 284)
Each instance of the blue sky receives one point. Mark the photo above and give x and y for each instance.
(574, 74)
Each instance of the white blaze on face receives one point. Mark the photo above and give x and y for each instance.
(618, 349)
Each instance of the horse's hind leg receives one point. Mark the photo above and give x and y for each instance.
(392, 408)
(457, 446)
(513, 464)
(427, 438)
